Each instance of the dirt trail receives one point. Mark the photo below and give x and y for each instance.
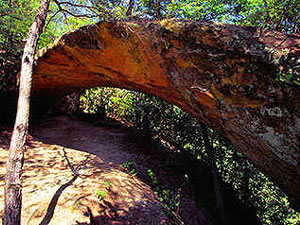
(97, 153)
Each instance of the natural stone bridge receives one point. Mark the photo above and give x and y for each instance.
(224, 75)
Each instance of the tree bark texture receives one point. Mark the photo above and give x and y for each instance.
(130, 8)
(218, 192)
(224, 75)
(14, 166)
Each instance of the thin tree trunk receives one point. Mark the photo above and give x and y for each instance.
(14, 166)
(130, 8)
(268, 18)
(138, 111)
(157, 9)
(217, 189)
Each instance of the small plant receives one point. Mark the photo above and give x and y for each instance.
(169, 199)
(75, 206)
(128, 165)
(152, 176)
(100, 195)
(133, 172)
(107, 184)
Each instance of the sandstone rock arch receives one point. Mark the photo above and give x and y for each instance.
(224, 75)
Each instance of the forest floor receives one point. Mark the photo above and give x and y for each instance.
(75, 173)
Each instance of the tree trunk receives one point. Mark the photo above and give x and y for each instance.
(14, 166)
(130, 8)
(218, 193)
(157, 9)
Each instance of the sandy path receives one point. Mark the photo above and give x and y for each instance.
(97, 153)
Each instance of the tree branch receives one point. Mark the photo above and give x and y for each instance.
(94, 10)
(130, 8)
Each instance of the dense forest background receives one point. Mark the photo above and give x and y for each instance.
(169, 126)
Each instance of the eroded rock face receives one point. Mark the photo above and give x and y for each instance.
(224, 75)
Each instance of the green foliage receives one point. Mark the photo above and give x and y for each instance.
(169, 199)
(122, 104)
(90, 101)
(175, 129)
(152, 176)
(100, 195)
(278, 15)
(129, 166)
(107, 184)
(15, 18)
